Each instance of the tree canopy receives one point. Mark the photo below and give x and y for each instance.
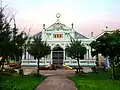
(108, 45)
(76, 50)
(38, 48)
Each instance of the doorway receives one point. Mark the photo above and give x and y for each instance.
(57, 56)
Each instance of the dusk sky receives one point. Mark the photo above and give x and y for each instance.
(87, 15)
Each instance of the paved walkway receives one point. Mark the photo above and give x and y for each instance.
(57, 80)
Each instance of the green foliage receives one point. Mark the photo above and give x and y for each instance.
(20, 83)
(18, 40)
(38, 48)
(10, 70)
(108, 45)
(5, 35)
(76, 49)
(93, 81)
(11, 41)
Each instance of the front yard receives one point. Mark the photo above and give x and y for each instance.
(19, 82)
(93, 81)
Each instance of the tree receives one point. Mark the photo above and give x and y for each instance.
(76, 50)
(39, 49)
(5, 37)
(11, 41)
(18, 40)
(108, 45)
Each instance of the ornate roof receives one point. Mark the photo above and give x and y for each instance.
(57, 27)
(39, 34)
(80, 36)
(77, 35)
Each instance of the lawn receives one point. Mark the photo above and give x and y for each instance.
(93, 81)
(20, 82)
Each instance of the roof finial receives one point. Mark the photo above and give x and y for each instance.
(58, 15)
(43, 26)
(106, 27)
(91, 34)
(72, 25)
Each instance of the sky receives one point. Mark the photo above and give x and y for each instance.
(86, 15)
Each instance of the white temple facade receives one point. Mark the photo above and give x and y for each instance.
(58, 36)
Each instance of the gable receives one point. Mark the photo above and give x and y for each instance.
(58, 27)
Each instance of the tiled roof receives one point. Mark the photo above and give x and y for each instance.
(79, 36)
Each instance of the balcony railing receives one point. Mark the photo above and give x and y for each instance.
(67, 62)
(81, 62)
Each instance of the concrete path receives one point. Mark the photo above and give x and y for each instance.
(57, 80)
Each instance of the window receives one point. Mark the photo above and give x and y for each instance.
(58, 35)
(54, 35)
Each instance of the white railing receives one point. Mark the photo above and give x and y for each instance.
(67, 62)
(81, 62)
(34, 62)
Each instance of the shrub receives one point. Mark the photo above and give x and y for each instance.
(5, 73)
(10, 71)
(21, 72)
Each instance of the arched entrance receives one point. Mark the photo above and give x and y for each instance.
(57, 56)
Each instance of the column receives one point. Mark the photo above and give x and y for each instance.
(88, 54)
(45, 59)
(85, 56)
(27, 55)
(51, 57)
(64, 55)
(23, 56)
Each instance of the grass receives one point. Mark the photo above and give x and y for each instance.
(20, 82)
(93, 81)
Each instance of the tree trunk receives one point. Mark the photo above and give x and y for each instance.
(2, 63)
(113, 70)
(15, 57)
(21, 54)
(97, 61)
(38, 66)
(25, 52)
(78, 64)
